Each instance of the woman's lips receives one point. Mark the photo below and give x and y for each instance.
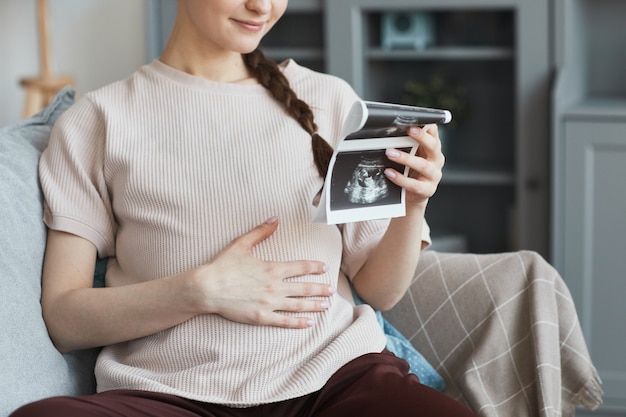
(251, 26)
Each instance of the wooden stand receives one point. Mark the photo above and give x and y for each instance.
(41, 90)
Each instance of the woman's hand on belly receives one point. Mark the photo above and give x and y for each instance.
(242, 288)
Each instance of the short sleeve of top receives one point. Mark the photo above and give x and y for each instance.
(361, 238)
(71, 170)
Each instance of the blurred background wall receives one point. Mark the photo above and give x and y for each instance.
(94, 41)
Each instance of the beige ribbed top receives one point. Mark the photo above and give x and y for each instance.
(161, 171)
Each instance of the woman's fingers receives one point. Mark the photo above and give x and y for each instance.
(283, 316)
(420, 168)
(425, 167)
(257, 235)
(296, 268)
(278, 319)
(428, 138)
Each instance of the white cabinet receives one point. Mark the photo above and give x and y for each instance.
(594, 242)
(589, 171)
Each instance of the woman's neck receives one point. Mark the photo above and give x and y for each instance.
(227, 67)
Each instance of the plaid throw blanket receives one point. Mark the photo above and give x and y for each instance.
(503, 332)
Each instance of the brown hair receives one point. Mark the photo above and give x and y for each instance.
(271, 77)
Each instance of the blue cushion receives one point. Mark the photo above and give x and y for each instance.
(30, 366)
(400, 346)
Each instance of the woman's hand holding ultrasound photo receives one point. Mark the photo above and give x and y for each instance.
(425, 166)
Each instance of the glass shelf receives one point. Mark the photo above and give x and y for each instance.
(473, 176)
(452, 53)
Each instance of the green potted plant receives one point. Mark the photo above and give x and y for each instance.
(438, 92)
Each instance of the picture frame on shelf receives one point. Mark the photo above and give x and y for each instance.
(407, 30)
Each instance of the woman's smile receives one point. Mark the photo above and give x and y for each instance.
(250, 25)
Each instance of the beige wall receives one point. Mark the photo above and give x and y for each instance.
(95, 41)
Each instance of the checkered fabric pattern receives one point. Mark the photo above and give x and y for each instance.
(502, 330)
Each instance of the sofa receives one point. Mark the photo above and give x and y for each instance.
(500, 329)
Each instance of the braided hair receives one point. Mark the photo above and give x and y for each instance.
(271, 77)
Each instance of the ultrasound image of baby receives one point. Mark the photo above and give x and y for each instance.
(368, 183)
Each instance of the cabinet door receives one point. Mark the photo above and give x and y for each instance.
(595, 244)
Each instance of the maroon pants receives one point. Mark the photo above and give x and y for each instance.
(372, 385)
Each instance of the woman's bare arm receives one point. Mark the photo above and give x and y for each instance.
(388, 272)
(235, 285)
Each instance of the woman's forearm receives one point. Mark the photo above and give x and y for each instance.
(90, 317)
(388, 272)
(79, 316)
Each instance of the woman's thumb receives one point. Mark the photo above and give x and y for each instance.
(259, 233)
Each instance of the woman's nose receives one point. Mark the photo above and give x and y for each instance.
(259, 6)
